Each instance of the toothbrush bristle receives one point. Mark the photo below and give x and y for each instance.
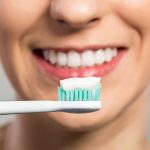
(79, 94)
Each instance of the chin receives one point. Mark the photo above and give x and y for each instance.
(75, 122)
(82, 122)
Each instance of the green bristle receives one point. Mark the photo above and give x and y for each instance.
(89, 95)
(79, 94)
(67, 95)
(85, 95)
(76, 95)
(63, 95)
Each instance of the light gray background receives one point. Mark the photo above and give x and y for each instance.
(7, 93)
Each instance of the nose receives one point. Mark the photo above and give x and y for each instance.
(74, 13)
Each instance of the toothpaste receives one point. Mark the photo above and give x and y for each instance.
(81, 83)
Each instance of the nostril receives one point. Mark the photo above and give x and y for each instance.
(61, 21)
(90, 22)
(93, 21)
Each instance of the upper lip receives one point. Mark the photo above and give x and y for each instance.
(83, 48)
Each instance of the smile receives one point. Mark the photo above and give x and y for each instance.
(70, 62)
(75, 59)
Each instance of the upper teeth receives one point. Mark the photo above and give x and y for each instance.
(85, 59)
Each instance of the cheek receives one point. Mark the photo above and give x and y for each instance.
(19, 15)
(146, 55)
(135, 12)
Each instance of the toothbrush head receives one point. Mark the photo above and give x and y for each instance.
(82, 97)
(79, 94)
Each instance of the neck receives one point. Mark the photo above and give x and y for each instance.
(128, 132)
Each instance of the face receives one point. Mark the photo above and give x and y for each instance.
(44, 41)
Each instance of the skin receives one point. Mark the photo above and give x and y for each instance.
(122, 121)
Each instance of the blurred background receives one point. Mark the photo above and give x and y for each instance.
(7, 93)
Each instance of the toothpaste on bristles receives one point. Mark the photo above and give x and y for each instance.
(79, 89)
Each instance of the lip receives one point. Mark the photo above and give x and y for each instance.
(59, 73)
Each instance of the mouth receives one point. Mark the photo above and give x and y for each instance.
(61, 63)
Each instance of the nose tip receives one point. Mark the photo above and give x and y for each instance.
(74, 13)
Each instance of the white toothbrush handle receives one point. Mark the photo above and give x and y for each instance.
(17, 107)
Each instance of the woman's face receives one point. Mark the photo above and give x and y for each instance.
(31, 29)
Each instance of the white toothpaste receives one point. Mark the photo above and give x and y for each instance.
(83, 83)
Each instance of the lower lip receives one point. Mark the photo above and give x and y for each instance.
(59, 73)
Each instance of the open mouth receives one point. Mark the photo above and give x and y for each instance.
(66, 63)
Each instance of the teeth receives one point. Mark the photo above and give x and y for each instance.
(99, 57)
(46, 55)
(52, 57)
(85, 59)
(61, 59)
(115, 52)
(108, 54)
(74, 59)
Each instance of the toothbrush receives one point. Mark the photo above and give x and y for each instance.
(76, 98)
(18, 107)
